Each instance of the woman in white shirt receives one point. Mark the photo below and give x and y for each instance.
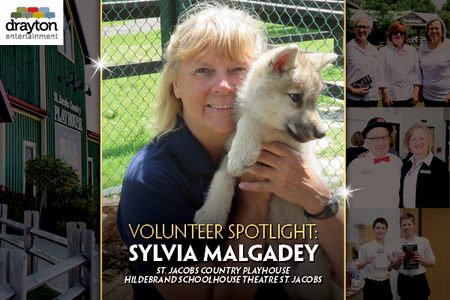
(434, 60)
(362, 72)
(424, 177)
(399, 66)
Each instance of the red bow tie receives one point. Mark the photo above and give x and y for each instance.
(377, 160)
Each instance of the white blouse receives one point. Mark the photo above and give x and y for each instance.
(400, 71)
(361, 64)
(435, 71)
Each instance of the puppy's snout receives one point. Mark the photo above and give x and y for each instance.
(318, 134)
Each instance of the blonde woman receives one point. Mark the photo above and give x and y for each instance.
(434, 60)
(165, 183)
(424, 178)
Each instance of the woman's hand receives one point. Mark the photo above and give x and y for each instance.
(447, 99)
(387, 100)
(361, 92)
(290, 177)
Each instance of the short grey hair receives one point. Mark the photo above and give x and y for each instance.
(444, 31)
(361, 16)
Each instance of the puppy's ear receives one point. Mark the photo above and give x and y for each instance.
(284, 58)
(321, 60)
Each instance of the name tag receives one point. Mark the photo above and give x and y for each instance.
(375, 55)
(425, 171)
(424, 52)
(366, 172)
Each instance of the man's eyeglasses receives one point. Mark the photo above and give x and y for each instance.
(359, 27)
(376, 139)
(397, 32)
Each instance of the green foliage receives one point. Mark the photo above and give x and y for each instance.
(81, 204)
(51, 174)
(425, 6)
(445, 17)
(17, 203)
(446, 6)
(382, 12)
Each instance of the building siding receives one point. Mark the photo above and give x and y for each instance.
(57, 64)
(20, 72)
(22, 129)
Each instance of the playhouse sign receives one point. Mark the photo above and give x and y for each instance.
(65, 117)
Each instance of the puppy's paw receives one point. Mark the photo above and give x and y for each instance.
(238, 165)
(207, 216)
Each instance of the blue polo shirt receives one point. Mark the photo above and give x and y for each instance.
(166, 183)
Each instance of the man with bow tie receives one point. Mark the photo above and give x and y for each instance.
(375, 178)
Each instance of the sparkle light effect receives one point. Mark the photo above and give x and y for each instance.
(347, 193)
(99, 65)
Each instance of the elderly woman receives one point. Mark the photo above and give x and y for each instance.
(399, 67)
(434, 60)
(207, 58)
(425, 178)
(363, 70)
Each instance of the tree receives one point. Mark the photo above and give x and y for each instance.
(50, 175)
(445, 17)
(446, 6)
(424, 6)
(382, 12)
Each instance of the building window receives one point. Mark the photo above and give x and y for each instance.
(29, 153)
(90, 171)
(67, 48)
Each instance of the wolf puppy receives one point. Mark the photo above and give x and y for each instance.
(277, 102)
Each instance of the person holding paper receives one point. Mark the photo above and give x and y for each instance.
(363, 69)
(413, 255)
(376, 260)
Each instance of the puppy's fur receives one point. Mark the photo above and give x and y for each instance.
(277, 102)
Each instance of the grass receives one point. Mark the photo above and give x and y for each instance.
(128, 103)
(42, 292)
(131, 48)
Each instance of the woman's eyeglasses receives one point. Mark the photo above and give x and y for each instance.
(397, 32)
(359, 27)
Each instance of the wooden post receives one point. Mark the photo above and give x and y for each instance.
(88, 275)
(27, 238)
(5, 257)
(35, 225)
(19, 274)
(3, 215)
(73, 248)
(82, 227)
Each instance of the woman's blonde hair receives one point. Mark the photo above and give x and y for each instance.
(410, 132)
(444, 30)
(231, 33)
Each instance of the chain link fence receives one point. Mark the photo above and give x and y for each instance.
(134, 33)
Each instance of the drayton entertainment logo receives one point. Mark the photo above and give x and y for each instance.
(32, 25)
(32, 12)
